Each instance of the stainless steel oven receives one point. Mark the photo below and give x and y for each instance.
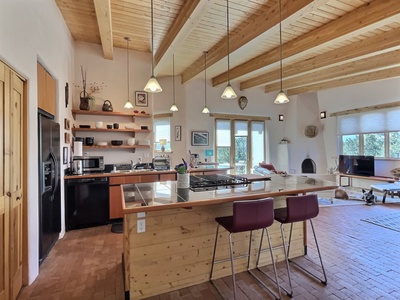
(91, 163)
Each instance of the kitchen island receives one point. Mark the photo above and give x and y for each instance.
(169, 232)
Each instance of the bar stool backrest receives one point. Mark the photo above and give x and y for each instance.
(252, 214)
(300, 208)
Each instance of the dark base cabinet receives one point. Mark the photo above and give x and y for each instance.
(86, 202)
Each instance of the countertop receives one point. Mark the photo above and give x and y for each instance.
(164, 195)
(143, 172)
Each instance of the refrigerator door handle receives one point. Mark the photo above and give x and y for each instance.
(54, 159)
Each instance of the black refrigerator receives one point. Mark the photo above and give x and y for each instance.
(49, 184)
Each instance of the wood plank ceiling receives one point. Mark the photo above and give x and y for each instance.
(326, 43)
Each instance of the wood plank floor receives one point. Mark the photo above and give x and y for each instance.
(361, 260)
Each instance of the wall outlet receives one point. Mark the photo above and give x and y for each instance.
(141, 214)
(141, 226)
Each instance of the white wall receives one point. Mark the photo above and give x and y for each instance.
(112, 76)
(357, 96)
(32, 31)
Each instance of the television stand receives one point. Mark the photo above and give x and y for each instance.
(374, 178)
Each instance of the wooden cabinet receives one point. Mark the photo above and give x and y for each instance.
(46, 90)
(105, 130)
(11, 181)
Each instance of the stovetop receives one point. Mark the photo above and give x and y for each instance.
(216, 181)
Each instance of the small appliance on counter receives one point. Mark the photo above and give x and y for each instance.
(88, 164)
(161, 163)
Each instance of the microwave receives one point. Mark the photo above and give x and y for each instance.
(91, 163)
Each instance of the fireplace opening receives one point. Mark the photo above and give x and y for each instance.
(308, 166)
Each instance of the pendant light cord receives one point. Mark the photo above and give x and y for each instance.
(205, 78)
(280, 40)
(152, 41)
(127, 59)
(227, 33)
(173, 76)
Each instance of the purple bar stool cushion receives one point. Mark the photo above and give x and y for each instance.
(298, 208)
(249, 215)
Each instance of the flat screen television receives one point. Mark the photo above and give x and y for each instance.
(357, 165)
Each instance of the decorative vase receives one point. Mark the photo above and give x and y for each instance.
(84, 104)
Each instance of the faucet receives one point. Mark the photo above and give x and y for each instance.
(134, 165)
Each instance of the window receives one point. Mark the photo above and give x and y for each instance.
(373, 133)
(240, 143)
(162, 131)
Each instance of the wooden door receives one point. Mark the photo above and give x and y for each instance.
(16, 182)
(4, 208)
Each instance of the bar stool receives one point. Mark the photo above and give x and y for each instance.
(247, 216)
(298, 208)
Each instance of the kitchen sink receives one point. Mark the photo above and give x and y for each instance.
(131, 171)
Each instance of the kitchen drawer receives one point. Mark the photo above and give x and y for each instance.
(133, 179)
(168, 177)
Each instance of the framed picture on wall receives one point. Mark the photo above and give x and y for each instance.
(178, 130)
(199, 138)
(141, 98)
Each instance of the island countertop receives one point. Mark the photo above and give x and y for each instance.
(169, 244)
(144, 197)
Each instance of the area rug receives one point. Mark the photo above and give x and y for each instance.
(337, 202)
(391, 221)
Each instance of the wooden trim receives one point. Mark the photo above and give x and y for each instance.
(365, 109)
(239, 117)
(165, 115)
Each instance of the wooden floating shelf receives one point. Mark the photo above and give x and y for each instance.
(110, 130)
(108, 113)
(117, 147)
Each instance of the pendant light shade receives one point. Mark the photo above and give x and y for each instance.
(281, 98)
(228, 93)
(205, 109)
(173, 107)
(152, 85)
(128, 103)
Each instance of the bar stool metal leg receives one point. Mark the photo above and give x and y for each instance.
(232, 267)
(286, 253)
(325, 280)
(276, 281)
(213, 258)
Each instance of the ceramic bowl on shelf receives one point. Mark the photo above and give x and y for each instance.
(131, 141)
(102, 144)
(116, 142)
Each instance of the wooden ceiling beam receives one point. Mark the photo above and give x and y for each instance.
(186, 20)
(358, 20)
(386, 41)
(103, 15)
(359, 66)
(375, 75)
(248, 32)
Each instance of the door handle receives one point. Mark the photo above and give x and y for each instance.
(8, 194)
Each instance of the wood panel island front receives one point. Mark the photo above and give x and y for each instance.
(169, 233)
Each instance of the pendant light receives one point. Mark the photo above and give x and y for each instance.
(281, 98)
(128, 103)
(228, 93)
(173, 107)
(152, 85)
(205, 109)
